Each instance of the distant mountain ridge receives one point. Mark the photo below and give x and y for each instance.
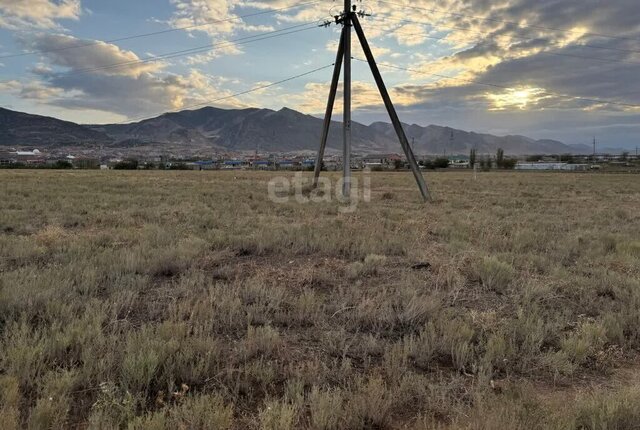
(23, 129)
(264, 130)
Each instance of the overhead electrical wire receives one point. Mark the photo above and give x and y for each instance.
(155, 33)
(205, 48)
(304, 27)
(517, 24)
(196, 50)
(504, 87)
(251, 90)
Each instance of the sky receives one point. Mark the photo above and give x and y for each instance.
(542, 68)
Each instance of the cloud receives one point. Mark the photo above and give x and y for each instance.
(99, 57)
(18, 14)
(216, 19)
(213, 17)
(484, 41)
(200, 12)
(34, 90)
(365, 97)
(73, 79)
(411, 34)
(511, 43)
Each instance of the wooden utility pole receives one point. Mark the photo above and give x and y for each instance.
(346, 121)
(348, 18)
(391, 109)
(329, 111)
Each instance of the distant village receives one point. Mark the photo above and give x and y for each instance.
(34, 158)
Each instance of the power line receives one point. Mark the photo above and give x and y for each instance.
(561, 54)
(251, 90)
(517, 24)
(155, 33)
(241, 41)
(204, 48)
(504, 87)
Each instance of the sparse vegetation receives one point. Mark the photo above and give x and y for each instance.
(485, 163)
(499, 157)
(504, 163)
(62, 164)
(437, 163)
(126, 165)
(183, 299)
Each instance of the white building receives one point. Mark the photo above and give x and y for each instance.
(551, 166)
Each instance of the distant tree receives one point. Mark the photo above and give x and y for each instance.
(485, 164)
(398, 164)
(62, 164)
(178, 166)
(499, 158)
(625, 156)
(126, 165)
(16, 165)
(472, 157)
(534, 158)
(441, 163)
(427, 164)
(566, 158)
(509, 163)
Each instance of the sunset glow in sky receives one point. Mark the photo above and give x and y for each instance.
(542, 59)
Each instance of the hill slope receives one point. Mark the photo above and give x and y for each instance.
(23, 129)
(289, 130)
(265, 130)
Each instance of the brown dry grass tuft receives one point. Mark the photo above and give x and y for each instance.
(158, 300)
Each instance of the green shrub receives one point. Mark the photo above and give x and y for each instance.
(494, 274)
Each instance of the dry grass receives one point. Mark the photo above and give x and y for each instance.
(153, 300)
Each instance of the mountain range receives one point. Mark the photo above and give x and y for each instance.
(254, 129)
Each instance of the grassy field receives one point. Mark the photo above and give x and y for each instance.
(189, 300)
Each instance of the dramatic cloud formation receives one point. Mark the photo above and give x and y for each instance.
(513, 66)
(525, 55)
(107, 78)
(16, 14)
